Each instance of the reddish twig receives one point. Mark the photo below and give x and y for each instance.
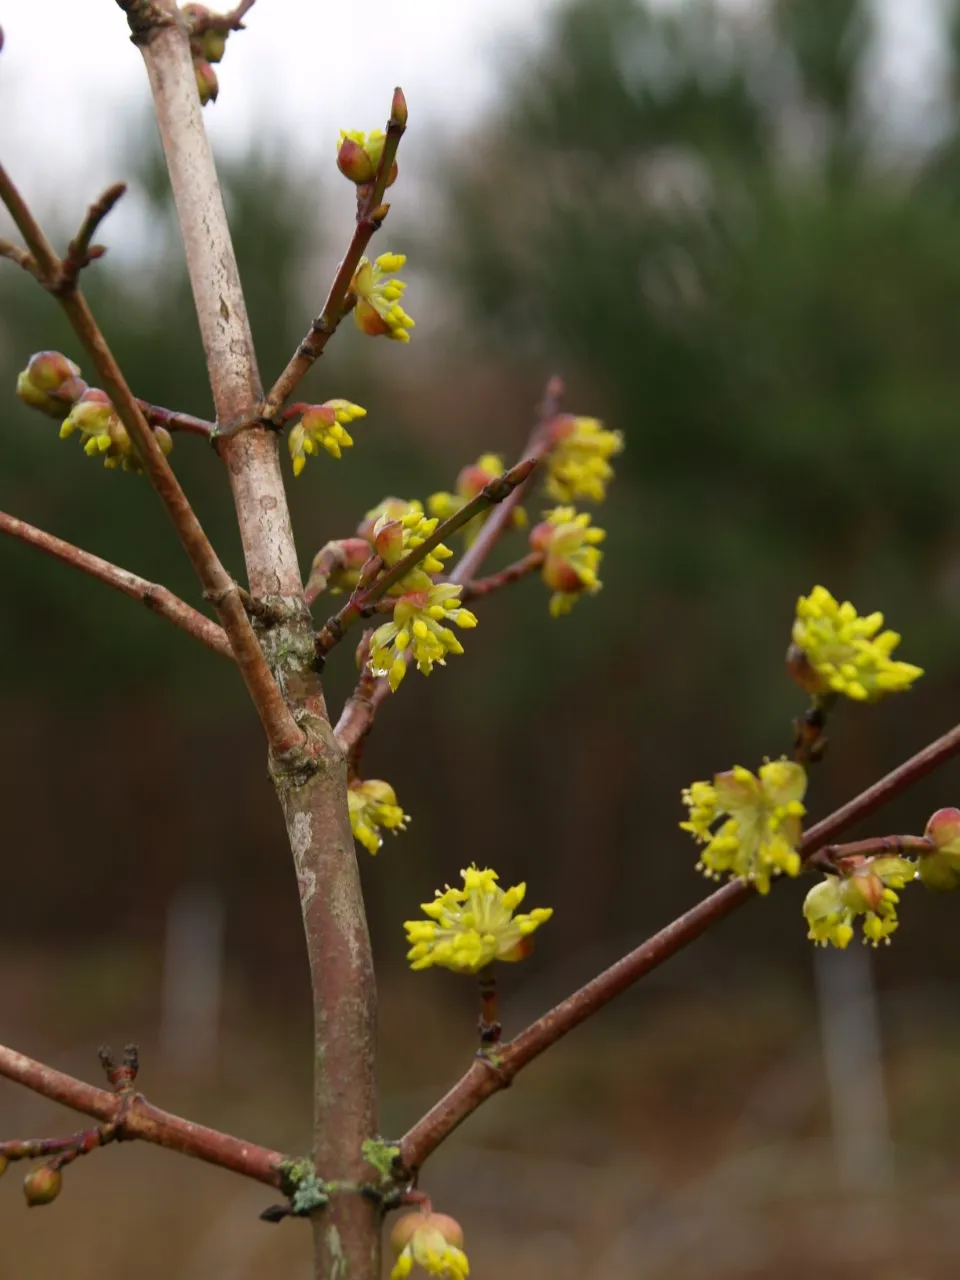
(479, 587)
(370, 214)
(281, 729)
(368, 593)
(832, 856)
(155, 597)
(80, 251)
(137, 1118)
(485, 1078)
(171, 420)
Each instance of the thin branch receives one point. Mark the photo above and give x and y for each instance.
(137, 1118)
(485, 1078)
(366, 596)
(232, 21)
(81, 252)
(172, 420)
(368, 697)
(478, 587)
(370, 214)
(157, 598)
(20, 256)
(832, 856)
(281, 729)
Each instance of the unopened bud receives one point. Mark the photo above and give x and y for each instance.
(43, 1185)
(354, 162)
(388, 540)
(207, 84)
(943, 827)
(803, 672)
(337, 565)
(51, 383)
(209, 44)
(398, 108)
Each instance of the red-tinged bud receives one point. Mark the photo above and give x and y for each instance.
(398, 108)
(207, 84)
(209, 43)
(51, 383)
(560, 575)
(388, 541)
(803, 672)
(319, 417)
(563, 425)
(541, 535)
(393, 508)
(518, 952)
(408, 1224)
(338, 565)
(369, 320)
(354, 162)
(943, 827)
(42, 1186)
(472, 479)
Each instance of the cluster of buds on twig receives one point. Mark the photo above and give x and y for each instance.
(431, 1241)
(208, 42)
(53, 385)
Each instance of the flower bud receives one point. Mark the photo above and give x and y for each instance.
(42, 1185)
(940, 869)
(50, 383)
(354, 162)
(92, 414)
(388, 540)
(801, 670)
(392, 508)
(943, 827)
(398, 108)
(207, 84)
(408, 1224)
(337, 565)
(560, 575)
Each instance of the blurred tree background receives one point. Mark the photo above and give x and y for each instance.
(707, 219)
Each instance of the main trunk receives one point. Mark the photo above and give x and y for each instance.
(311, 780)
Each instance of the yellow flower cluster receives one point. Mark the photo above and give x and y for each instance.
(836, 650)
(868, 890)
(378, 312)
(373, 806)
(760, 822)
(470, 482)
(431, 1241)
(418, 628)
(359, 155)
(578, 464)
(323, 426)
(470, 927)
(571, 556)
(104, 435)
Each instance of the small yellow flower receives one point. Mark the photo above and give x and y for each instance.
(417, 628)
(761, 822)
(51, 383)
(470, 481)
(392, 508)
(323, 426)
(378, 311)
(104, 435)
(431, 1241)
(578, 464)
(373, 804)
(836, 650)
(868, 890)
(359, 154)
(940, 868)
(470, 927)
(571, 556)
